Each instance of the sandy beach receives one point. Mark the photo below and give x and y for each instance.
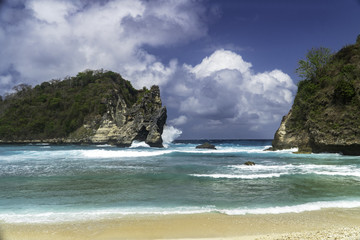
(324, 224)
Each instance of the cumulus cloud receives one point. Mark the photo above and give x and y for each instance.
(221, 96)
(181, 120)
(219, 60)
(222, 93)
(46, 39)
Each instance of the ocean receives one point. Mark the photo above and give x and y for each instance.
(54, 183)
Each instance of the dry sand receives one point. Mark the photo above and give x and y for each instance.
(324, 224)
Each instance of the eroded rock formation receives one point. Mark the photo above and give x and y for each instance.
(144, 121)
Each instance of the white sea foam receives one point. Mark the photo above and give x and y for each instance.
(137, 144)
(276, 171)
(233, 176)
(100, 214)
(42, 144)
(169, 134)
(122, 153)
(221, 150)
(290, 150)
(345, 174)
(242, 149)
(104, 145)
(259, 167)
(39, 155)
(332, 170)
(88, 153)
(114, 213)
(313, 206)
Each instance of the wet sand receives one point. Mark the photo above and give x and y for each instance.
(324, 224)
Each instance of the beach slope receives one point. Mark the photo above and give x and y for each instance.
(324, 224)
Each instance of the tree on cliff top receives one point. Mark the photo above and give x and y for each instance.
(313, 65)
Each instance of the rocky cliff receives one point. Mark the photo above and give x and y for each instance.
(325, 114)
(95, 107)
(121, 125)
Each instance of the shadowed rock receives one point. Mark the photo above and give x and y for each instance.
(143, 122)
(249, 163)
(206, 146)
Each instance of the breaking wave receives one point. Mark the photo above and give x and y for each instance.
(170, 133)
(275, 171)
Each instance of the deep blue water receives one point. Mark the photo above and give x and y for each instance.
(44, 183)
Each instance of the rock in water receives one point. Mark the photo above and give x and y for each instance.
(249, 163)
(206, 146)
(325, 114)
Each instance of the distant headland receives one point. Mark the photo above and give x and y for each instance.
(94, 107)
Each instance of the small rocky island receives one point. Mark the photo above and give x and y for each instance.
(325, 114)
(206, 146)
(94, 107)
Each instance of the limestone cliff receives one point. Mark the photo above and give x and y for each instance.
(95, 107)
(121, 125)
(325, 114)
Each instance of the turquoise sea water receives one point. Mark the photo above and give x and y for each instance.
(45, 183)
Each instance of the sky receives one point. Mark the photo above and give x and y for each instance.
(226, 68)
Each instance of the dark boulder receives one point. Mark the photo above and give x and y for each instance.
(206, 146)
(249, 163)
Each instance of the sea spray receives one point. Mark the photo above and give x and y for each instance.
(170, 133)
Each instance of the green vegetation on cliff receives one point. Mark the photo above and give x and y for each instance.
(330, 92)
(57, 108)
(325, 114)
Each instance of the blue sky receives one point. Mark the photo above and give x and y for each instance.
(226, 68)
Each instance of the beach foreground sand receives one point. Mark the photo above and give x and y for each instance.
(324, 224)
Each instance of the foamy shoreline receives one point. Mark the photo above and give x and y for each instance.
(339, 223)
(118, 213)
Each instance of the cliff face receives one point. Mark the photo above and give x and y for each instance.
(325, 114)
(121, 125)
(95, 107)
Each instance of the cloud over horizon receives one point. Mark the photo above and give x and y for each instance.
(222, 92)
(220, 96)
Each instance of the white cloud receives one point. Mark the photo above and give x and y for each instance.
(220, 60)
(51, 11)
(181, 120)
(154, 73)
(54, 38)
(223, 91)
(5, 80)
